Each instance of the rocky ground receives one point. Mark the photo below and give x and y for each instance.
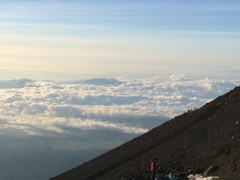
(197, 139)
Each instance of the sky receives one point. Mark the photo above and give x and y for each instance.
(70, 40)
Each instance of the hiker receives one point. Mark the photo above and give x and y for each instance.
(153, 168)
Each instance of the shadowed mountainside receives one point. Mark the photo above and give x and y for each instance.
(197, 139)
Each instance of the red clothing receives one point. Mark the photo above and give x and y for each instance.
(153, 166)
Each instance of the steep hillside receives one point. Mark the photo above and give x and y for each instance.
(194, 140)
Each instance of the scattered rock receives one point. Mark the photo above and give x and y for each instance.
(210, 170)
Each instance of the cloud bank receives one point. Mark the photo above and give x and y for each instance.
(63, 124)
(48, 108)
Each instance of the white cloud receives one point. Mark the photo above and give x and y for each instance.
(132, 106)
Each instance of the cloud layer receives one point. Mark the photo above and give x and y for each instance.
(47, 108)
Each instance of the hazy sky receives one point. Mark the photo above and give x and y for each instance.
(75, 39)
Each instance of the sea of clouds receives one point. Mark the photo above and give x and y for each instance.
(48, 108)
(48, 127)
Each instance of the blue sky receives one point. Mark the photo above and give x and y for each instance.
(66, 40)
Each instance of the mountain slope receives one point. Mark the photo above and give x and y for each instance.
(196, 139)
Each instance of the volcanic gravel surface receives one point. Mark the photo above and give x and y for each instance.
(198, 139)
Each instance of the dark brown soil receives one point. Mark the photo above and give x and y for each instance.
(197, 139)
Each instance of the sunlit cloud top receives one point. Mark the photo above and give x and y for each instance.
(47, 108)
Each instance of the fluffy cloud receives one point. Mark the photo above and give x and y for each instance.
(46, 122)
(48, 108)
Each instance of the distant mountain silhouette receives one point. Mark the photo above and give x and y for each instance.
(198, 139)
(96, 81)
(102, 81)
(16, 83)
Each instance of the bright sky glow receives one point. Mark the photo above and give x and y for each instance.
(66, 40)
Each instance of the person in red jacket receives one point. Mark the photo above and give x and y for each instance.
(153, 168)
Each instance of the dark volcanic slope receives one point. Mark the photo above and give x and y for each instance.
(200, 138)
